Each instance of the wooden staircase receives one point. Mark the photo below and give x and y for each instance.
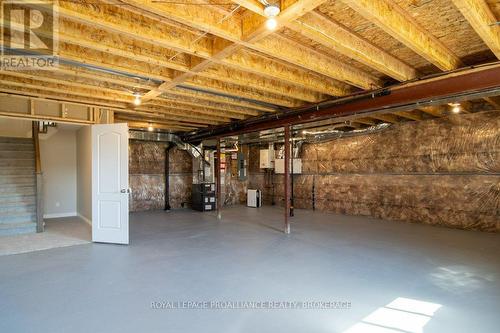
(18, 211)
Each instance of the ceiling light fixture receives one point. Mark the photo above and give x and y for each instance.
(271, 11)
(455, 107)
(137, 99)
(150, 127)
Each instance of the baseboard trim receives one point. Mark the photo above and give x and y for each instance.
(58, 215)
(89, 222)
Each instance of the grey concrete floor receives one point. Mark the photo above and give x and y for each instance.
(191, 256)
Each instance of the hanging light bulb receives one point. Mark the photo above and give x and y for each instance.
(271, 11)
(455, 107)
(137, 99)
(271, 23)
(150, 127)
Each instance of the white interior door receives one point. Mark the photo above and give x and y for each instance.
(110, 183)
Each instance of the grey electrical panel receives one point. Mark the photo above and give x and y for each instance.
(242, 167)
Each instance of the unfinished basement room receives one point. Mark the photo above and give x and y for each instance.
(250, 166)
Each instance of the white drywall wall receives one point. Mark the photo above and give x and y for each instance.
(15, 128)
(58, 158)
(84, 173)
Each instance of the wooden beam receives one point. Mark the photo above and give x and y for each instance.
(91, 38)
(114, 63)
(288, 50)
(9, 84)
(493, 101)
(436, 111)
(365, 121)
(139, 68)
(155, 31)
(18, 115)
(100, 78)
(482, 19)
(249, 35)
(249, 60)
(143, 125)
(253, 25)
(202, 111)
(387, 117)
(466, 106)
(193, 98)
(252, 5)
(391, 18)
(255, 39)
(151, 112)
(157, 120)
(32, 94)
(56, 93)
(409, 115)
(213, 98)
(175, 101)
(124, 65)
(333, 35)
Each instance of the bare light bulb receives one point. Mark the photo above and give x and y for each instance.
(150, 127)
(456, 109)
(271, 23)
(137, 100)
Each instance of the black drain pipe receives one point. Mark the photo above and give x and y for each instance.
(313, 194)
(167, 176)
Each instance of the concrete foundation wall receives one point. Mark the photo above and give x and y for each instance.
(441, 172)
(234, 190)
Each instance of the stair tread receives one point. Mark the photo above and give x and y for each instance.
(14, 150)
(27, 182)
(24, 203)
(17, 214)
(6, 190)
(7, 139)
(26, 190)
(17, 186)
(17, 177)
(18, 168)
(16, 225)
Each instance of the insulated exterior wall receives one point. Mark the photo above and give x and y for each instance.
(234, 190)
(147, 176)
(440, 172)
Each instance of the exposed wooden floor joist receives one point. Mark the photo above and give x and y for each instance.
(204, 65)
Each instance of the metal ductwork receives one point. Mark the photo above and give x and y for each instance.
(192, 150)
(327, 135)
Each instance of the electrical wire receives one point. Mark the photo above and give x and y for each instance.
(228, 15)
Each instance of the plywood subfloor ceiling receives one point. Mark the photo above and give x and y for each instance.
(207, 62)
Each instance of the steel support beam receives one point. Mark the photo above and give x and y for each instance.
(287, 179)
(456, 84)
(218, 175)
